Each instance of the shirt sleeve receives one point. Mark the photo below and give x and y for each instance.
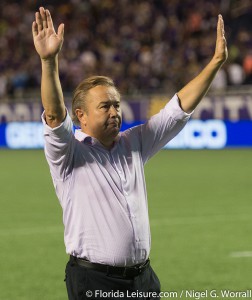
(160, 128)
(59, 147)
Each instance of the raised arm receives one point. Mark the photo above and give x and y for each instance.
(48, 43)
(195, 90)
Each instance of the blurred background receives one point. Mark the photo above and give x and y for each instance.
(150, 48)
(145, 46)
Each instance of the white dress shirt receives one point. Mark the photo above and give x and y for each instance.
(102, 192)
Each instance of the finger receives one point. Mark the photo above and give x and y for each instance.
(43, 16)
(49, 19)
(39, 21)
(61, 31)
(34, 29)
(220, 27)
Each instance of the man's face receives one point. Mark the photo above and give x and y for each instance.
(102, 118)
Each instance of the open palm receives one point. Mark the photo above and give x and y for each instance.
(47, 42)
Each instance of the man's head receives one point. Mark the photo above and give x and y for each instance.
(96, 108)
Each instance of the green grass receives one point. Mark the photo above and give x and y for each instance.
(200, 205)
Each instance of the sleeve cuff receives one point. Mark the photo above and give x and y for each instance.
(65, 125)
(177, 111)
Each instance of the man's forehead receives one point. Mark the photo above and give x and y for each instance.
(101, 92)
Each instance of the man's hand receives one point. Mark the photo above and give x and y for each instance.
(191, 94)
(47, 42)
(221, 52)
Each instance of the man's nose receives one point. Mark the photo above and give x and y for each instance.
(113, 111)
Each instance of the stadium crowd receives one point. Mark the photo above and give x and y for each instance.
(145, 46)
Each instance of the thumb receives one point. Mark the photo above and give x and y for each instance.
(61, 31)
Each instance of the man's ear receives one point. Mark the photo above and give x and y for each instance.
(81, 115)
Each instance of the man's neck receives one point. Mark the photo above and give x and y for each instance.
(108, 143)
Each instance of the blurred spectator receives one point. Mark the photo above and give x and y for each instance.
(247, 65)
(3, 86)
(220, 81)
(145, 46)
(236, 74)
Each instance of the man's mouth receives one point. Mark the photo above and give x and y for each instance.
(113, 123)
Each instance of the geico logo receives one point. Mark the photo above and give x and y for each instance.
(197, 134)
(24, 135)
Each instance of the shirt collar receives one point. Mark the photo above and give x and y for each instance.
(80, 135)
(87, 139)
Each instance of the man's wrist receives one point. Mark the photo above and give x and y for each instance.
(218, 61)
(50, 61)
(50, 64)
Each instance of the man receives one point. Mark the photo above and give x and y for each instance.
(98, 172)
